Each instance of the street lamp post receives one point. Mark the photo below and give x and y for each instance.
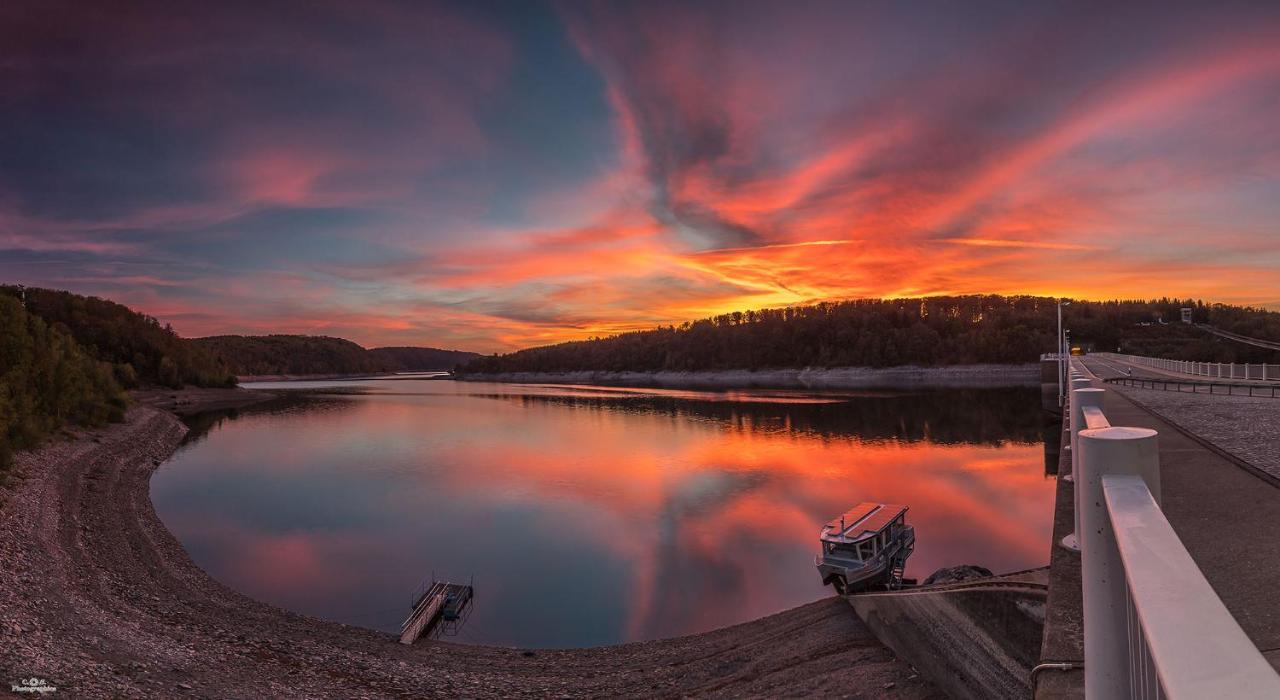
(1062, 360)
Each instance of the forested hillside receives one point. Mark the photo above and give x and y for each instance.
(263, 355)
(47, 381)
(249, 355)
(880, 333)
(1154, 328)
(140, 350)
(409, 359)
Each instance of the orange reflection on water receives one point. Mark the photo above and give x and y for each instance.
(626, 515)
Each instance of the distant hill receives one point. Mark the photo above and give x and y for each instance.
(409, 359)
(261, 355)
(140, 350)
(249, 355)
(944, 330)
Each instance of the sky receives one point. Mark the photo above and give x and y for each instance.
(490, 176)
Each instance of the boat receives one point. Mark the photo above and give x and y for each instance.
(866, 548)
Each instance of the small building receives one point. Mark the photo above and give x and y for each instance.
(1186, 314)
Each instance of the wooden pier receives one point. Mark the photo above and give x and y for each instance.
(442, 604)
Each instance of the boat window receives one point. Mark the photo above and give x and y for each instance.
(867, 550)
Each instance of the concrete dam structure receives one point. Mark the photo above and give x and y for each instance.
(977, 638)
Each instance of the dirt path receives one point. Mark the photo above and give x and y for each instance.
(100, 600)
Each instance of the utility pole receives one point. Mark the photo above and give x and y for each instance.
(1062, 360)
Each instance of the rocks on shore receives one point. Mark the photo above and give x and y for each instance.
(956, 574)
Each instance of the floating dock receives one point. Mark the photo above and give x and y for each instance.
(440, 608)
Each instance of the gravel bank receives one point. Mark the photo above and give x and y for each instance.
(834, 378)
(100, 600)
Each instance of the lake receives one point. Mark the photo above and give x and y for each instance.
(592, 515)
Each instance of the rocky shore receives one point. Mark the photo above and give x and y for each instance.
(908, 377)
(98, 599)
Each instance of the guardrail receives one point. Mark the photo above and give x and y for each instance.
(1153, 626)
(1196, 387)
(1217, 370)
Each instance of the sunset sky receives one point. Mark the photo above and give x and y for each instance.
(488, 176)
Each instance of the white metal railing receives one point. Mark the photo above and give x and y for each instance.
(1182, 640)
(1153, 626)
(1216, 370)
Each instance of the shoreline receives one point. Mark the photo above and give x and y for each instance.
(402, 374)
(98, 598)
(310, 377)
(905, 377)
(192, 400)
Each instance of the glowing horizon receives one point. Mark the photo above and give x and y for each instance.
(490, 178)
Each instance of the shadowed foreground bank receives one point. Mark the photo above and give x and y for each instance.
(99, 599)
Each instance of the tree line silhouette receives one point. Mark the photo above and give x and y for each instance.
(944, 330)
(290, 354)
(315, 354)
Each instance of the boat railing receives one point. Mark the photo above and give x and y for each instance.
(1153, 626)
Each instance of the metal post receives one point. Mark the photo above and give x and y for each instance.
(1107, 451)
(1075, 419)
(1062, 362)
(1082, 396)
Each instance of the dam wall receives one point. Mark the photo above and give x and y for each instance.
(975, 639)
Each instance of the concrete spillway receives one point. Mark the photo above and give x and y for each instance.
(975, 639)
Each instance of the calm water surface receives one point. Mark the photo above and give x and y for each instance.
(590, 515)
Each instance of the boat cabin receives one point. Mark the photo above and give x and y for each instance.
(864, 531)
